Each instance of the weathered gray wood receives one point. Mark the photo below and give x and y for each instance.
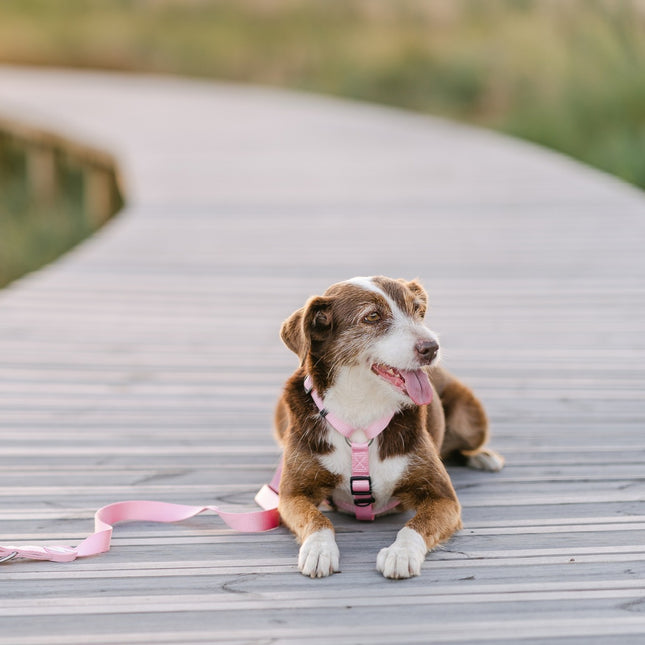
(146, 362)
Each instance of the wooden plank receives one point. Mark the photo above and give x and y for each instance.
(147, 362)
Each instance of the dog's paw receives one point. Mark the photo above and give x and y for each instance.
(403, 559)
(486, 459)
(319, 555)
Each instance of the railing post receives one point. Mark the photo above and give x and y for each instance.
(42, 176)
(97, 193)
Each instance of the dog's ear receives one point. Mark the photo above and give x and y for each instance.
(291, 332)
(309, 324)
(418, 290)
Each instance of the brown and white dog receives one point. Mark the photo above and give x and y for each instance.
(368, 353)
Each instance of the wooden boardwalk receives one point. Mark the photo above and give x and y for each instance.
(145, 364)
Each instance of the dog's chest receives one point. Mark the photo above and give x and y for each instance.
(385, 474)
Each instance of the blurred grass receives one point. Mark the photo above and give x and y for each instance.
(568, 74)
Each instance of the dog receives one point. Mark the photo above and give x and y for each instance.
(367, 357)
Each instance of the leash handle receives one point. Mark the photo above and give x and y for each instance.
(138, 511)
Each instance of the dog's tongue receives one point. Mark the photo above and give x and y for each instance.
(417, 385)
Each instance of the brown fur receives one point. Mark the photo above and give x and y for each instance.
(466, 421)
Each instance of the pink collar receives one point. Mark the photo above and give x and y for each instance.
(373, 430)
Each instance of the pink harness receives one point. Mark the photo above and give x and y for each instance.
(360, 482)
(252, 521)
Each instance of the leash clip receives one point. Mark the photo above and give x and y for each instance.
(35, 552)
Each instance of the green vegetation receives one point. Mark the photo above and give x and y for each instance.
(35, 230)
(568, 74)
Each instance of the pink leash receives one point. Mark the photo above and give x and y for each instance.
(137, 511)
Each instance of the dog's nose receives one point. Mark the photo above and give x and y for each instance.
(427, 350)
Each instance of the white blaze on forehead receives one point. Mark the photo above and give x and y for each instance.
(369, 285)
(364, 283)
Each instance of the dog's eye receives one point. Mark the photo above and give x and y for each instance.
(418, 309)
(372, 317)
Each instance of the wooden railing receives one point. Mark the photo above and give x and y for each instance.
(46, 152)
(58, 172)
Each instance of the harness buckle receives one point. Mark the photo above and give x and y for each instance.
(362, 496)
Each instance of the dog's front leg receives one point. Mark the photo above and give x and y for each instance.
(436, 520)
(319, 555)
(438, 517)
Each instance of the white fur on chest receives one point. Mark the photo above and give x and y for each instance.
(359, 397)
(385, 474)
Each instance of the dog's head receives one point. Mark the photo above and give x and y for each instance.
(374, 322)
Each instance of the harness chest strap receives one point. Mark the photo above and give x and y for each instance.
(360, 484)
